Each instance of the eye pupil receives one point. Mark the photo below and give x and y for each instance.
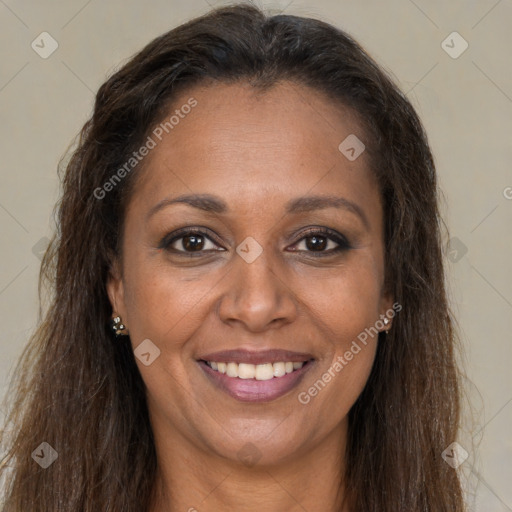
(193, 242)
(316, 245)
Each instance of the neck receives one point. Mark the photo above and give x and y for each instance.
(195, 481)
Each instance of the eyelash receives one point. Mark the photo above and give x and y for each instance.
(342, 242)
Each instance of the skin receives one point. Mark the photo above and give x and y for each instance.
(255, 151)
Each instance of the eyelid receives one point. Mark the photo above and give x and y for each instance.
(342, 242)
(338, 238)
(183, 232)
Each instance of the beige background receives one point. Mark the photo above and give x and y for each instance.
(465, 103)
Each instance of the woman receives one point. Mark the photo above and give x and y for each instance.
(249, 310)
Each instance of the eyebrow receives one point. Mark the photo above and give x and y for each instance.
(213, 204)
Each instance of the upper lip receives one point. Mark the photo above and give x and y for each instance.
(256, 357)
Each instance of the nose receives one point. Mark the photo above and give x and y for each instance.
(257, 296)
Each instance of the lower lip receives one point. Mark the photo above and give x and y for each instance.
(252, 390)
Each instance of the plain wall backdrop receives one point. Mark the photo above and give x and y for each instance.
(460, 83)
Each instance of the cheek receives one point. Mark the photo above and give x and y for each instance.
(167, 308)
(165, 304)
(346, 307)
(345, 301)
(343, 375)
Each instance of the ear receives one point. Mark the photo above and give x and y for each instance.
(115, 290)
(387, 309)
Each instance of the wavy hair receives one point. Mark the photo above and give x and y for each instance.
(79, 389)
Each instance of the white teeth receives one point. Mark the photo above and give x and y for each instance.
(246, 371)
(264, 371)
(232, 370)
(279, 369)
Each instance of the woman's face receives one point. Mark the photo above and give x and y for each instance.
(273, 275)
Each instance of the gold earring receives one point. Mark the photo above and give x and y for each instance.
(118, 327)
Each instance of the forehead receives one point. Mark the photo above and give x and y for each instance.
(252, 147)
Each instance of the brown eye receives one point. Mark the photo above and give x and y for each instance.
(188, 241)
(316, 243)
(192, 242)
(323, 242)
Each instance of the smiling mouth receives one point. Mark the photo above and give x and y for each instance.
(256, 375)
(265, 371)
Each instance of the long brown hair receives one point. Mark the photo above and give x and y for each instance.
(78, 389)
